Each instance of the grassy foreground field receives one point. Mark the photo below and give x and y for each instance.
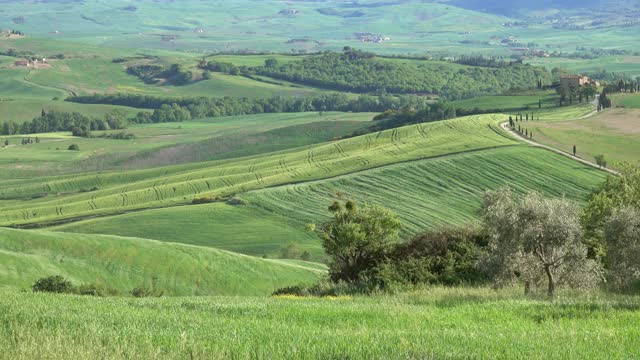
(432, 324)
(125, 263)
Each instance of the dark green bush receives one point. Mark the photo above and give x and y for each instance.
(445, 257)
(53, 284)
(96, 290)
(236, 201)
(327, 287)
(204, 200)
(74, 147)
(142, 291)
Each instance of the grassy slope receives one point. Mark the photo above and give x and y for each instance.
(509, 102)
(244, 229)
(436, 192)
(89, 69)
(179, 184)
(437, 323)
(627, 100)
(26, 109)
(613, 133)
(100, 75)
(125, 263)
(623, 64)
(425, 193)
(173, 143)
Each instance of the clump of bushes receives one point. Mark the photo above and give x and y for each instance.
(143, 291)
(59, 285)
(53, 284)
(74, 147)
(328, 288)
(96, 290)
(445, 257)
(236, 201)
(205, 200)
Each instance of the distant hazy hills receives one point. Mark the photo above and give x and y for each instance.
(510, 7)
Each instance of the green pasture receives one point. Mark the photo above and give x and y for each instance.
(627, 100)
(433, 193)
(243, 229)
(435, 323)
(248, 26)
(613, 133)
(14, 84)
(174, 143)
(252, 60)
(141, 189)
(426, 194)
(624, 64)
(21, 110)
(510, 102)
(89, 75)
(125, 263)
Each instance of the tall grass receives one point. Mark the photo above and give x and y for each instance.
(435, 323)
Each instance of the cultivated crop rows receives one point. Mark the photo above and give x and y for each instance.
(435, 192)
(95, 194)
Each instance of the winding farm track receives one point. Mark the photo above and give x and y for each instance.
(506, 127)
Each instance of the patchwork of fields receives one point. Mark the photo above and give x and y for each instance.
(208, 216)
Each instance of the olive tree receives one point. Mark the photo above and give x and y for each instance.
(622, 234)
(358, 239)
(537, 240)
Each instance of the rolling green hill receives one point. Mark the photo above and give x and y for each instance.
(173, 143)
(426, 194)
(135, 190)
(243, 229)
(436, 192)
(125, 263)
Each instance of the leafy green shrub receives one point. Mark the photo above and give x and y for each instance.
(358, 239)
(96, 290)
(326, 287)
(74, 147)
(292, 290)
(53, 284)
(446, 256)
(142, 291)
(204, 200)
(236, 201)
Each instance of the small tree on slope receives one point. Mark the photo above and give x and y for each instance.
(358, 239)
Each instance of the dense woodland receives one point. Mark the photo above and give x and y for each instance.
(181, 109)
(78, 124)
(356, 71)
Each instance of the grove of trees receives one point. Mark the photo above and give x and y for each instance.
(525, 239)
(360, 72)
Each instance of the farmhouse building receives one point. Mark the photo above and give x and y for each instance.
(21, 63)
(577, 81)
